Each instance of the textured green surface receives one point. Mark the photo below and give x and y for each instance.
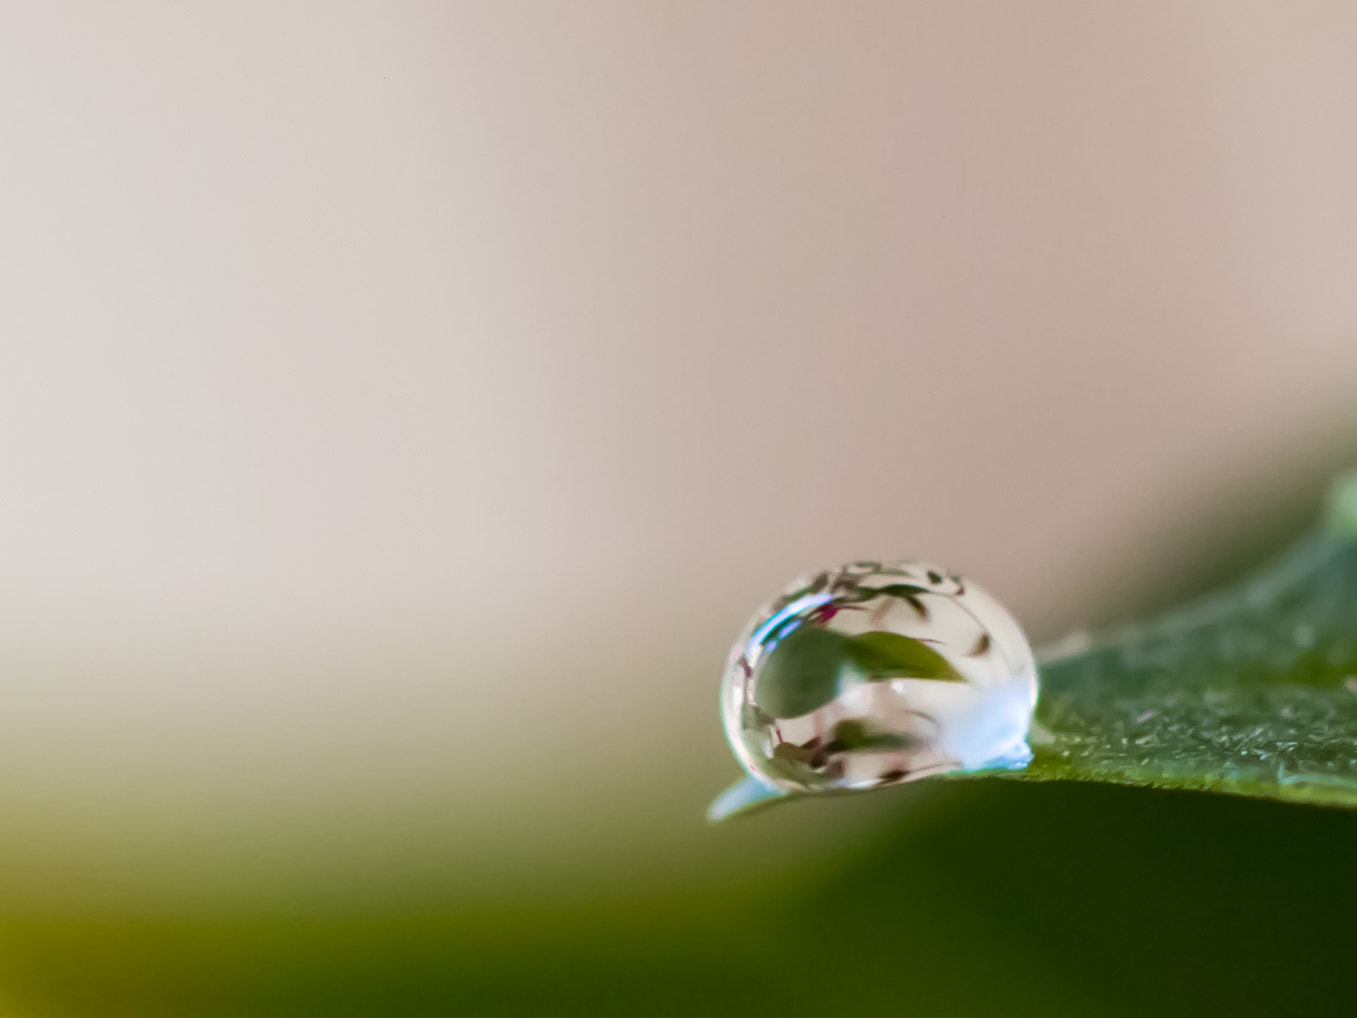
(1250, 691)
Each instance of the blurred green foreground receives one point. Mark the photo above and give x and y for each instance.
(980, 899)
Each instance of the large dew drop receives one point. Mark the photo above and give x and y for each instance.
(878, 673)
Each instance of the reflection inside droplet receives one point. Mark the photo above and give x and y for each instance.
(878, 673)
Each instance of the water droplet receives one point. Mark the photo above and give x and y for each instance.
(878, 673)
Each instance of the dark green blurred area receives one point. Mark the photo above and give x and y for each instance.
(984, 898)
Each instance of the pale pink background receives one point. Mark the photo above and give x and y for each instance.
(402, 404)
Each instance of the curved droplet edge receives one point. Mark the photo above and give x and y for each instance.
(750, 794)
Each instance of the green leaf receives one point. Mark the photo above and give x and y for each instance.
(882, 655)
(852, 735)
(802, 672)
(849, 734)
(906, 592)
(1250, 691)
(898, 590)
(743, 797)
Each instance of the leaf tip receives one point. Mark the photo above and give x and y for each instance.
(744, 796)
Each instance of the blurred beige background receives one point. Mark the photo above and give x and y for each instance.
(401, 405)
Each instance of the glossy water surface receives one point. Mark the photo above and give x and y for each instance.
(877, 673)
